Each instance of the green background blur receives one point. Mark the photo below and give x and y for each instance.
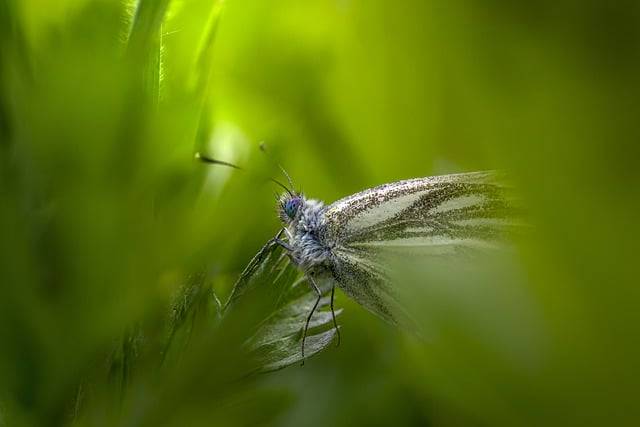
(104, 212)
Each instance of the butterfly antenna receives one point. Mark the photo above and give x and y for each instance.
(281, 185)
(206, 159)
(284, 172)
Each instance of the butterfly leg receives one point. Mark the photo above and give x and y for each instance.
(306, 326)
(283, 244)
(279, 242)
(260, 256)
(333, 314)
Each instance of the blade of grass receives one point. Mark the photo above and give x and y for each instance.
(145, 42)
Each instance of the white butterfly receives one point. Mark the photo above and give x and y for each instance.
(436, 216)
(348, 241)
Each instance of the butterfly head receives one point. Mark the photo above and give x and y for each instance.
(288, 206)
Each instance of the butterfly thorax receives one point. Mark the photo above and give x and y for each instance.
(305, 233)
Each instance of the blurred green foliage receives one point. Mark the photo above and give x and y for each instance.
(105, 217)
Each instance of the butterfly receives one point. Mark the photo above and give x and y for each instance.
(348, 241)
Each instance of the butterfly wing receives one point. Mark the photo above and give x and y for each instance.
(442, 216)
(364, 280)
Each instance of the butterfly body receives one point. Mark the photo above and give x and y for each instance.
(306, 235)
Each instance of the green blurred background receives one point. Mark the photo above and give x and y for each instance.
(104, 213)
